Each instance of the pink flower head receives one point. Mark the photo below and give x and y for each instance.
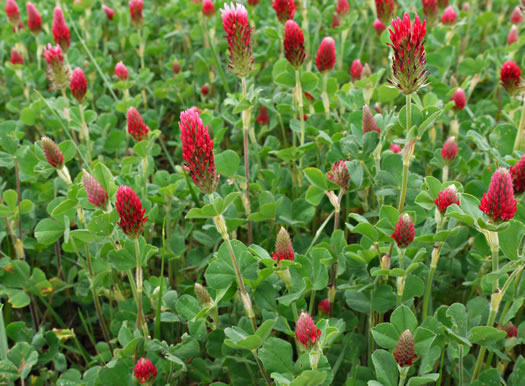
(517, 16)
(208, 9)
(294, 44)
(511, 330)
(379, 26)
(385, 10)
(449, 16)
(518, 176)
(12, 11)
(498, 203)
(78, 84)
(97, 195)
(447, 197)
(176, 66)
(58, 72)
(262, 117)
(356, 70)
(512, 37)
(395, 148)
(339, 174)
(450, 150)
(53, 55)
(54, 155)
(34, 21)
(60, 31)
(409, 62)
(459, 98)
(283, 246)
(325, 59)
(305, 330)
(205, 89)
(285, 9)
(430, 9)
(510, 77)
(404, 353)
(145, 370)
(16, 58)
(109, 12)
(404, 231)
(135, 12)
(136, 126)
(238, 34)
(121, 72)
(197, 151)
(343, 7)
(130, 211)
(369, 123)
(324, 306)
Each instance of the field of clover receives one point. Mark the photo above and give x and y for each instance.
(195, 192)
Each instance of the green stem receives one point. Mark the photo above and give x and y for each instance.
(406, 157)
(333, 269)
(495, 266)
(433, 266)
(521, 128)
(245, 114)
(85, 132)
(299, 96)
(460, 365)
(261, 368)
(141, 322)
(161, 290)
(324, 97)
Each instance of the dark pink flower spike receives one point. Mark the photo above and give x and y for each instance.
(517, 173)
(325, 59)
(145, 370)
(404, 353)
(208, 9)
(305, 330)
(136, 126)
(285, 9)
(459, 99)
(135, 12)
(34, 21)
(356, 70)
(16, 58)
(283, 246)
(78, 84)
(130, 211)
(404, 232)
(499, 203)
(109, 12)
(97, 195)
(12, 12)
(446, 198)
(60, 30)
(294, 44)
(450, 150)
(238, 34)
(449, 16)
(385, 10)
(510, 77)
(121, 72)
(54, 155)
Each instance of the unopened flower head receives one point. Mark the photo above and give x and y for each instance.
(513, 35)
(130, 211)
(97, 195)
(205, 89)
(379, 26)
(408, 66)
(135, 12)
(449, 16)
(446, 198)
(238, 35)
(339, 174)
(136, 126)
(197, 151)
(356, 70)
(262, 117)
(208, 9)
(517, 16)
(34, 21)
(78, 85)
(511, 330)
(369, 123)
(404, 353)
(12, 12)
(306, 332)
(404, 231)
(395, 148)
(58, 72)
(385, 10)
(325, 59)
(145, 370)
(52, 152)
(459, 99)
(176, 67)
(324, 306)
(510, 77)
(285, 9)
(499, 203)
(16, 58)
(450, 150)
(294, 44)
(60, 30)
(517, 173)
(283, 246)
(109, 12)
(121, 72)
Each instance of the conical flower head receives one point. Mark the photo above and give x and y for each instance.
(97, 195)
(356, 70)
(379, 26)
(145, 370)
(136, 126)
(202, 295)
(447, 197)
(285, 9)
(408, 66)
(12, 12)
(339, 174)
(324, 306)
(450, 150)
(60, 31)
(305, 330)
(130, 211)
(517, 173)
(430, 10)
(369, 123)
(325, 59)
(517, 16)
(342, 7)
(34, 21)
(513, 36)
(283, 246)
(294, 44)
(135, 12)
(511, 330)
(121, 71)
(510, 77)
(16, 58)
(262, 117)
(197, 151)
(208, 9)
(459, 99)
(78, 85)
(404, 353)
(54, 155)
(449, 16)
(498, 203)
(404, 231)
(238, 35)
(385, 10)
(109, 12)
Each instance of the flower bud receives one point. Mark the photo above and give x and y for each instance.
(447, 197)
(16, 58)
(203, 296)
(238, 34)
(340, 174)
(325, 59)
(176, 66)
(356, 70)
(205, 90)
(404, 353)
(135, 12)
(34, 21)
(517, 16)
(145, 370)
(285, 9)
(121, 72)
(283, 246)
(369, 123)
(499, 203)
(294, 44)
(109, 12)
(449, 150)
(511, 330)
(78, 85)
(262, 117)
(510, 77)
(385, 10)
(404, 232)
(97, 195)
(60, 31)
(379, 26)
(136, 126)
(130, 211)
(395, 148)
(366, 71)
(306, 332)
(54, 155)
(518, 176)
(512, 37)
(449, 16)
(459, 98)
(208, 9)
(324, 306)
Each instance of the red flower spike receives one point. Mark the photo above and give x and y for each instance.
(145, 370)
(78, 85)
(404, 231)
(16, 58)
(121, 72)
(343, 7)
(404, 353)
(283, 246)
(305, 330)
(205, 90)
(385, 10)
(340, 174)
(511, 330)
(449, 16)
(294, 44)
(60, 31)
(369, 123)
(442, 4)
(109, 12)
(54, 155)
(517, 173)
(136, 126)
(208, 9)
(176, 66)
(510, 77)
(449, 151)
(498, 203)
(408, 66)
(430, 9)
(34, 21)
(324, 306)
(97, 195)
(238, 34)
(325, 59)
(130, 211)
(512, 37)
(285, 9)
(459, 98)
(197, 151)
(356, 70)
(394, 148)
(517, 16)
(379, 26)
(135, 12)
(446, 198)
(12, 11)
(262, 117)
(58, 72)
